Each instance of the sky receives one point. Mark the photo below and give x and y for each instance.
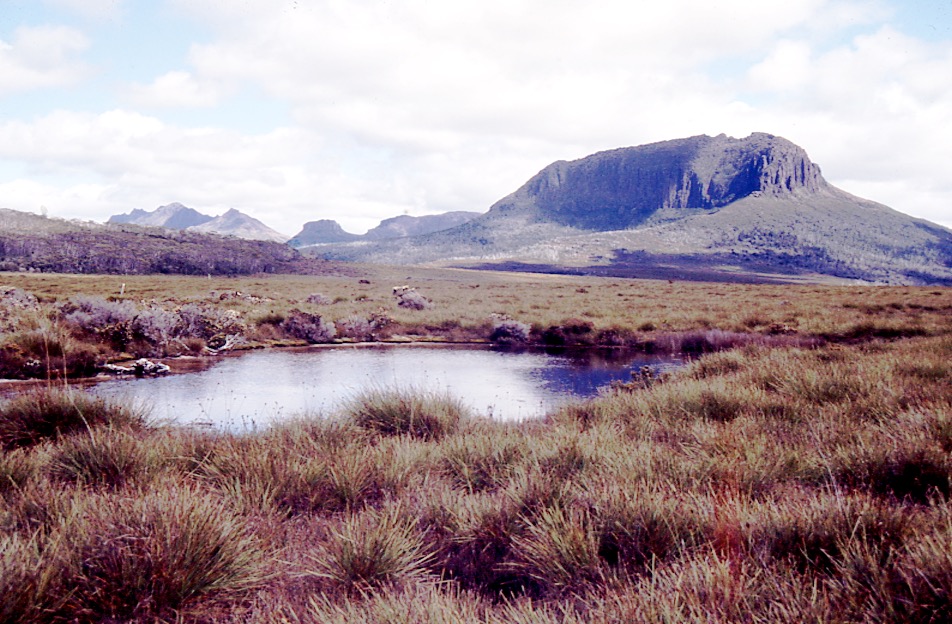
(359, 110)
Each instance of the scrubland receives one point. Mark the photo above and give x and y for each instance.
(799, 470)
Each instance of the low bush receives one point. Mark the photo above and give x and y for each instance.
(309, 327)
(508, 332)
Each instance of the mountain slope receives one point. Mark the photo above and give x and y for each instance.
(738, 204)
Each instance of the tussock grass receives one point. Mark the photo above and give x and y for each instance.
(50, 413)
(763, 484)
(150, 557)
(102, 457)
(406, 412)
(370, 551)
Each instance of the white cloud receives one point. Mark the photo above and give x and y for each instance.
(176, 89)
(41, 57)
(422, 107)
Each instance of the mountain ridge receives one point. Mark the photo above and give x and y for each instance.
(326, 231)
(736, 202)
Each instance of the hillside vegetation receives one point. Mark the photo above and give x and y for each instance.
(33, 243)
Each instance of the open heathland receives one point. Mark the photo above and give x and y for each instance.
(799, 469)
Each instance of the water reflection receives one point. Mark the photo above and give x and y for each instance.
(256, 388)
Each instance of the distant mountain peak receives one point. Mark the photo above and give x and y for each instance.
(236, 223)
(326, 231)
(173, 216)
(320, 232)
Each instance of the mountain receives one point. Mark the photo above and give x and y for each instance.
(405, 225)
(174, 216)
(319, 232)
(752, 205)
(238, 224)
(327, 231)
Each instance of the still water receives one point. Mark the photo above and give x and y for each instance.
(254, 389)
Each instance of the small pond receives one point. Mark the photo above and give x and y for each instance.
(251, 390)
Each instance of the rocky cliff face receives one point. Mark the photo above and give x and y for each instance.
(626, 187)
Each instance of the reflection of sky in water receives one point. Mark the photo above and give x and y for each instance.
(258, 387)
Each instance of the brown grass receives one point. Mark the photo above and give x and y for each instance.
(802, 475)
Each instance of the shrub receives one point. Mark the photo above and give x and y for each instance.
(357, 328)
(45, 353)
(198, 321)
(50, 413)
(507, 331)
(406, 412)
(309, 327)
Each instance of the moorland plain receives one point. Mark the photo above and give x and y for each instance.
(801, 472)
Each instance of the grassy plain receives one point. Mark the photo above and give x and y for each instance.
(464, 302)
(804, 475)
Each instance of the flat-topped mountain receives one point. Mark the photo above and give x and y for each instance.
(733, 205)
(327, 231)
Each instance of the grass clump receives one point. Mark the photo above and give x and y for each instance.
(150, 557)
(50, 413)
(418, 414)
(102, 457)
(370, 551)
